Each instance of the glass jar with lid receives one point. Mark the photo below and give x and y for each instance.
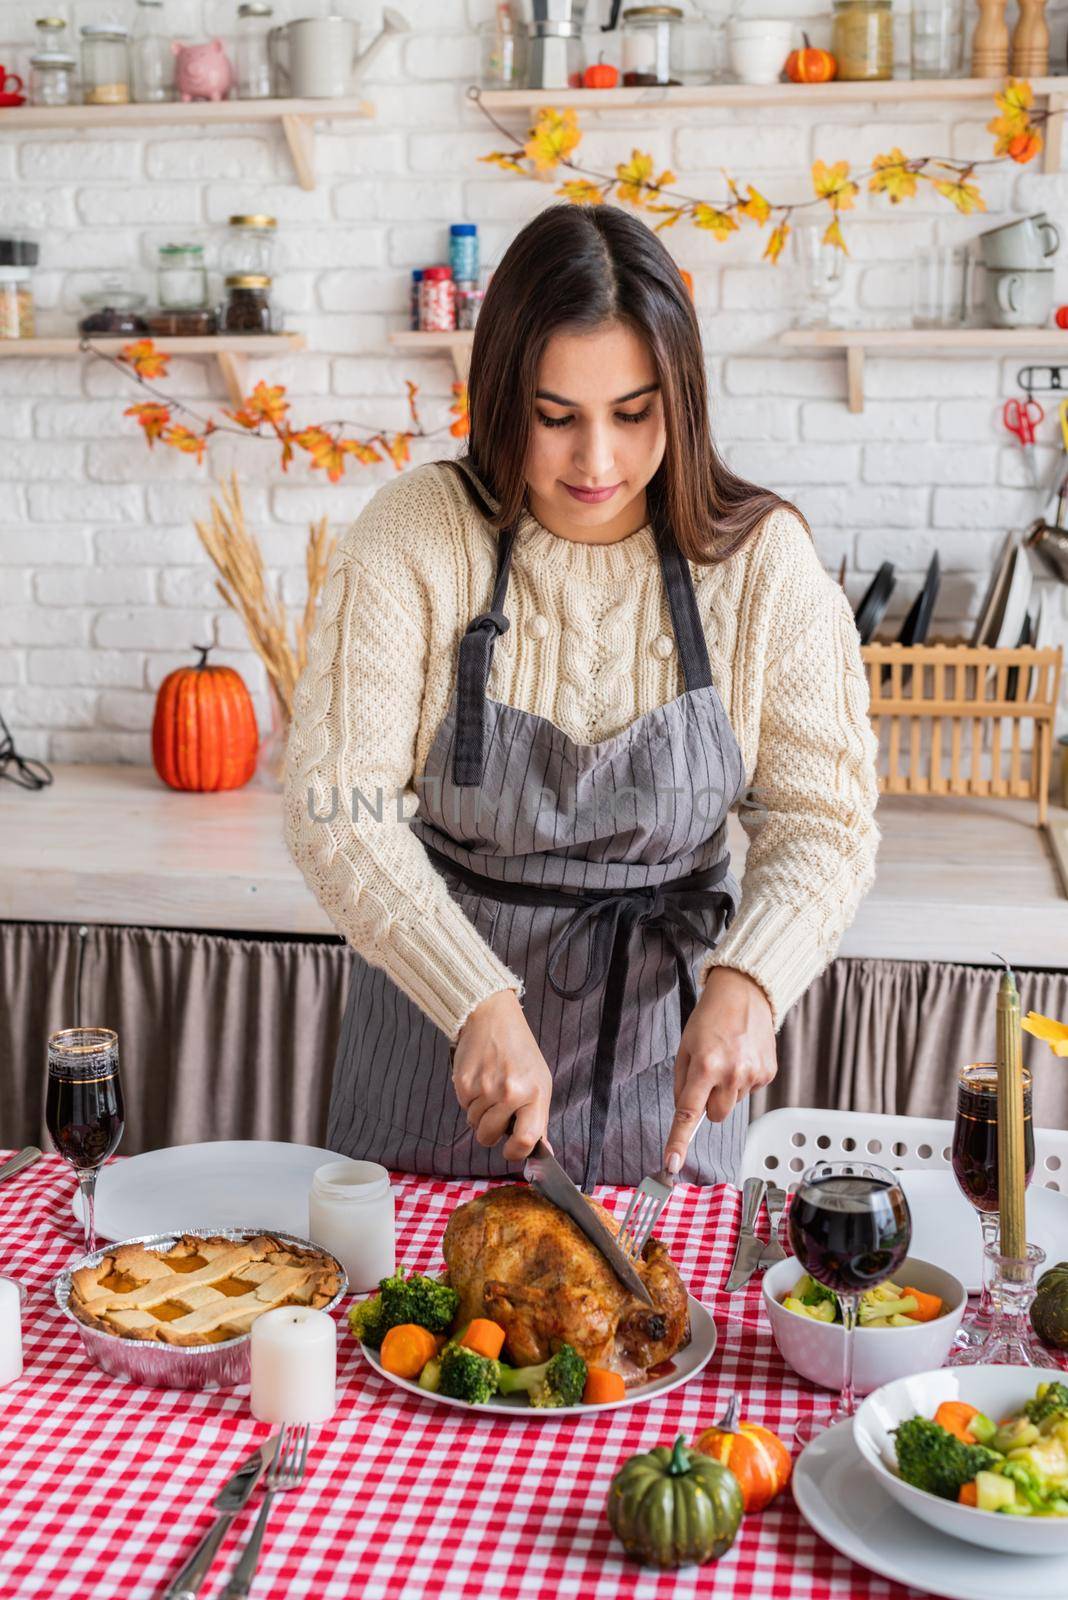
(648, 32)
(53, 79)
(863, 40)
(105, 65)
(247, 308)
(16, 303)
(252, 60)
(151, 56)
(181, 277)
(52, 35)
(249, 244)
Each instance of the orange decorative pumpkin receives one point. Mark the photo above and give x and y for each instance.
(600, 74)
(204, 734)
(809, 65)
(757, 1457)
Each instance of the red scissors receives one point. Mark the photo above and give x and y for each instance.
(1022, 418)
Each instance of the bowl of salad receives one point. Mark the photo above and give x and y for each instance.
(907, 1324)
(977, 1452)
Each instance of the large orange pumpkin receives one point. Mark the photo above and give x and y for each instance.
(204, 734)
(757, 1457)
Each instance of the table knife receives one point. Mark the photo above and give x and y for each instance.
(231, 1499)
(19, 1163)
(750, 1246)
(545, 1174)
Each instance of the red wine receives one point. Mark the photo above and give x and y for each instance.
(975, 1136)
(849, 1233)
(84, 1110)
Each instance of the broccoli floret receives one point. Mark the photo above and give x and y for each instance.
(366, 1322)
(931, 1458)
(465, 1375)
(424, 1301)
(1051, 1397)
(812, 1293)
(556, 1382)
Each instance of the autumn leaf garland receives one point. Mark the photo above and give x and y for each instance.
(550, 145)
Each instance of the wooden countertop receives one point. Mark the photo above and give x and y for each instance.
(955, 878)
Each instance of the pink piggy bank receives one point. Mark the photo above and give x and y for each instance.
(203, 71)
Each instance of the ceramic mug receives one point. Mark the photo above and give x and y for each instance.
(10, 82)
(758, 48)
(1019, 299)
(1020, 245)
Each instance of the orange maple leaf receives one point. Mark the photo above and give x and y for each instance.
(833, 235)
(552, 138)
(834, 184)
(960, 193)
(583, 192)
(720, 223)
(893, 176)
(329, 454)
(755, 206)
(635, 181)
(264, 404)
(459, 409)
(505, 159)
(152, 418)
(146, 360)
(774, 247)
(397, 449)
(180, 438)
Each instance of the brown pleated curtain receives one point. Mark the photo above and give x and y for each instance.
(232, 1037)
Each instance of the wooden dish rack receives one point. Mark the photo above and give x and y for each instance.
(950, 719)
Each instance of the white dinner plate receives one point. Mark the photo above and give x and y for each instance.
(945, 1229)
(230, 1183)
(839, 1497)
(697, 1354)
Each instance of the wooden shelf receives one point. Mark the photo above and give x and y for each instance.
(231, 352)
(856, 342)
(1050, 94)
(297, 118)
(457, 346)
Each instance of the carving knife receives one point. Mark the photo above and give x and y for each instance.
(750, 1246)
(545, 1174)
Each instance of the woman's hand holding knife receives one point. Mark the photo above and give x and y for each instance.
(499, 1073)
(727, 1050)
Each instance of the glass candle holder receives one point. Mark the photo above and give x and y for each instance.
(1011, 1340)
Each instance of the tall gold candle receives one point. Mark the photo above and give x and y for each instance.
(1012, 1174)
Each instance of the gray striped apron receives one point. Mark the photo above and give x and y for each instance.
(599, 873)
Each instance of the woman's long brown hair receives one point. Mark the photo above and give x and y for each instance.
(575, 268)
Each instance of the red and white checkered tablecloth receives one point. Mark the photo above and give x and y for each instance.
(105, 1487)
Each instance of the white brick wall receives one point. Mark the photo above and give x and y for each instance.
(103, 585)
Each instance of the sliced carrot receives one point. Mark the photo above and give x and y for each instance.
(954, 1416)
(929, 1306)
(484, 1337)
(968, 1494)
(406, 1349)
(602, 1387)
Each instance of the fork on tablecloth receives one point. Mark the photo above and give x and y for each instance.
(285, 1472)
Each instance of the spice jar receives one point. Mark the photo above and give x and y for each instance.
(863, 39)
(182, 278)
(351, 1214)
(249, 244)
(105, 65)
(463, 252)
(248, 306)
(647, 44)
(51, 35)
(469, 297)
(413, 298)
(16, 303)
(151, 56)
(252, 58)
(437, 300)
(52, 79)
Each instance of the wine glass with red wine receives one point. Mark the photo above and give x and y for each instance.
(850, 1229)
(975, 1167)
(83, 1108)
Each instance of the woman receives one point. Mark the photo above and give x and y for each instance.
(540, 680)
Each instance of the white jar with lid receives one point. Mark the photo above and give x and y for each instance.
(351, 1214)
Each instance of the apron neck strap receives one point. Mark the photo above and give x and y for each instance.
(685, 617)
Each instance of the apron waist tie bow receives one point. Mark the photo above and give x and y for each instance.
(613, 915)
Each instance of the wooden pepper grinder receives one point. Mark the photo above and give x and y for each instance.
(1030, 41)
(990, 41)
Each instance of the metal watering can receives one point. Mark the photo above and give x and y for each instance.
(319, 58)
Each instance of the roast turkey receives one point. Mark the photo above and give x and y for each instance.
(515, 1257)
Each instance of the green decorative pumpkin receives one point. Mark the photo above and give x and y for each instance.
(1049, 1309)
(674, 1507)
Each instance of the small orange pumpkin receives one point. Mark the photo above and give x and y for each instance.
(600, 74)
(204, 734)
(757, 1457)
(809, 65)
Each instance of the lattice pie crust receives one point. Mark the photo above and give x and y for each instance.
(200, 1291)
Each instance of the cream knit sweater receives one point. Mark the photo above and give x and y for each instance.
(590, 647)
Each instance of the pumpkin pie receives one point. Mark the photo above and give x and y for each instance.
(201, 1290)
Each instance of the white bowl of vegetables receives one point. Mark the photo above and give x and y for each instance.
(977, 1452)
(906, 1324)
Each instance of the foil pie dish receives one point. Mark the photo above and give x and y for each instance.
(168, 1366)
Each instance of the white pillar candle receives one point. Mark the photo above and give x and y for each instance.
(294, 1366)
(10, 1331)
